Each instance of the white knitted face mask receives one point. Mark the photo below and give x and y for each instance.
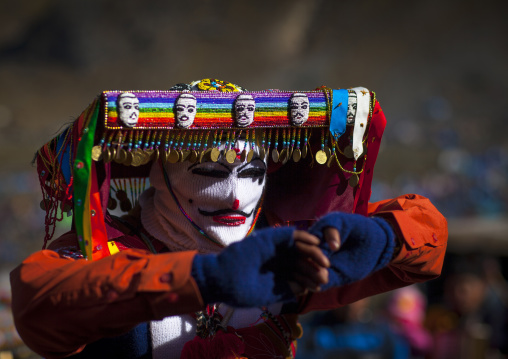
(221, 198)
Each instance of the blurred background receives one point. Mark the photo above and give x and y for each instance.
(439, 69)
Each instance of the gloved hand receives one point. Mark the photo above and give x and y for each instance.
(366, 245)
(257, 271)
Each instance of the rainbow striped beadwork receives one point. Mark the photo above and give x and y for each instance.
(215, 109)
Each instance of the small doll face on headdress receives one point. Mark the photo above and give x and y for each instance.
(299, 108)
(185, 110)
(220, 197)
(244, 110)
(351, 107)
(128, 109)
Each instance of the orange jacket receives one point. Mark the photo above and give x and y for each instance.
(60, 304)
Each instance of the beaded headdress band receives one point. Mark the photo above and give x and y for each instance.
(122, 132)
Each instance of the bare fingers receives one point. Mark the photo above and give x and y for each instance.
(309, 276)
(305, 237)
(332, 237)
(307, 246)
(310, 269)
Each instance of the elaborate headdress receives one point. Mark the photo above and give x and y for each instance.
(317, 159)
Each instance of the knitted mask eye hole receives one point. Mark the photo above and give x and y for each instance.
(210, 173)
(216, 170)
(128, 109)
(256, 170)
(252, 173)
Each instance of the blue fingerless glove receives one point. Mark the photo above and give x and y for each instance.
(249, 273)
(367, 245)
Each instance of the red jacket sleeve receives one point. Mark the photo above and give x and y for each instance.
(60, 304)
(422, 233)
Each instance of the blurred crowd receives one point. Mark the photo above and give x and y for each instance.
(465, 184)
(11, 345)
(21, 233)
(456, 160)
(463, 315)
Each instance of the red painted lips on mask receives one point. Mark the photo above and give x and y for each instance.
(230, 220)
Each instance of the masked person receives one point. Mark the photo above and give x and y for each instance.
(244, 226)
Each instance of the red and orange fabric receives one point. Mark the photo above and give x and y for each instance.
(77, 302)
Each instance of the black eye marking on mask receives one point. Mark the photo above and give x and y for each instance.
(210, 173)
(252, 172)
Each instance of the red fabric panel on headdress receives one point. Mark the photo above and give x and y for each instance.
(295, 193)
